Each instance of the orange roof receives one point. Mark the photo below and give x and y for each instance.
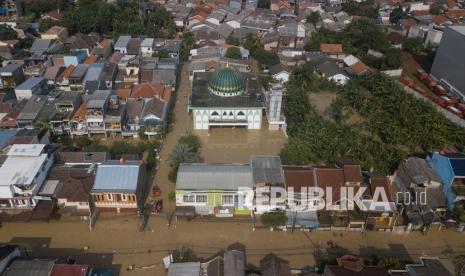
(359, 67)
(456, 13)
(105, 43)
(80, 113)
(440, 19)
(90, 59)
(331, 48)
(123, 93)
(151, 90)
(420, 13)
(67, 73)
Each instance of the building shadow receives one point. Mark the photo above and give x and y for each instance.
(39, 247)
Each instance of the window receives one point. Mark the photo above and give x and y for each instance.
(124, 197)
(188, 198)
(201, 198)
(240, 113)
(110, 197)
(228, 199)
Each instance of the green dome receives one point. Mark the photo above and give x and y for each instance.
(226, 82)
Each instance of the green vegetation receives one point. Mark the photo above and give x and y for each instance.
(98, 16)
(172, 196)
(254, 44)
(365, 8)
(393, 125)
(233, 52)
(396, 15)
(274, 219)
(233, 41)
(313, 17)
(357, 38)
(185, 151)
(188, 42)
(459, 211)
(264, 4)
(184, 255)
(120, 147)
(6, 32)
(34, 8)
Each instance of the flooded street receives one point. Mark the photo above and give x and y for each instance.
(228, 145)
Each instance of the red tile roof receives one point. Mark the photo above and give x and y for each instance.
(69, 270)
(331, 48)
(151, 90)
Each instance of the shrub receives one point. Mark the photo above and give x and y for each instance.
(274, 219)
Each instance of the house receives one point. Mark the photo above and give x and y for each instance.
(165, 77)
(20, 184)
(75, 57)
(80, 41)
(267, 175)
(352, 265)
(155, 117)
(219, 189)
(331, 71)
(72, 188)
(122, 44)
(280, 73)
(81, 159)
(52, 73)
(132, 121)
(33, 86)
(146, 47)
(36, 267)
(11, 75)
(103, 49)
(76, 78)
(427, 266)
(299, 181)
(119, 185)
(30, 112)
(66, 103)
(272, 265)
(333, 51)
(188, 268)
(56, 33)
(7, 254)
(450, 170)
(40, 46)
(71, 269)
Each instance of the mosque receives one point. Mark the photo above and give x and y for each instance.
(226, 98)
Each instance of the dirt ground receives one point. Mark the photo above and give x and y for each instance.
(322, 101)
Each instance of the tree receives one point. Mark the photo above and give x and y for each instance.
(7, 33)
(264, 4)
(313, 17)
(274, 219)
(233, 40)
(233, 52)
(184, 255)
(252, 41)
(82, 142)
(396, 15)
(413, 46)
(435, 9)
(183, 153)
(161, 54)
(191, 140)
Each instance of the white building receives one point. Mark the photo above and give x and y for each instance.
(146, 47)
(226, 99)
(274, 109)
(22, 175)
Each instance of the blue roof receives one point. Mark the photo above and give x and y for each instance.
(118, 177)
(30, 83)
(101, 272)
(458, 166)
(5, 136)
(93, 73)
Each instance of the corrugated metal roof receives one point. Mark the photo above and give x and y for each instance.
(29, 268)
(30, 83)
(267, 169)
(117, 177)
(213, 176)
(184, 269)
